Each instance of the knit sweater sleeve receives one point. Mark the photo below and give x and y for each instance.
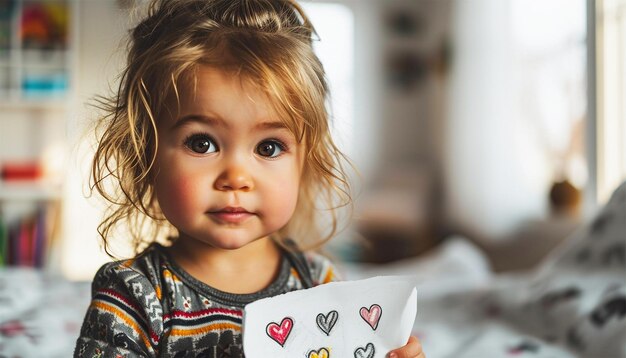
(125, 317)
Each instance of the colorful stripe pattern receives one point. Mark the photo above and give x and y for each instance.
(183, 323)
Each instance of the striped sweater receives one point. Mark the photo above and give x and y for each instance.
(149, 306)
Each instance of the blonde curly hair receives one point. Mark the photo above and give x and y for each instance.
(266, 41)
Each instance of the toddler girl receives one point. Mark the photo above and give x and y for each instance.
(218, 137)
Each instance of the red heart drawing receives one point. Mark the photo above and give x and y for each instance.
(372, 315)
(280, 333)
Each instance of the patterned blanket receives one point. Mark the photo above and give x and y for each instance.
(574, 305)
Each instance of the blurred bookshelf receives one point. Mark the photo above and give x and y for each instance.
(37, 62)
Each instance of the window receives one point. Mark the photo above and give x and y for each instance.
(551, 54)
(611, 96)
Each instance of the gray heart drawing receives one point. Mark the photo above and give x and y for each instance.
(326, 323)
(367, 352)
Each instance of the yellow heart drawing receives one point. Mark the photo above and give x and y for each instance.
(322, 353)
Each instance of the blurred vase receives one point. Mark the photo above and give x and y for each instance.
(565, 198)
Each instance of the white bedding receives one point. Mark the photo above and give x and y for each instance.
(574, 305)
(40, 314)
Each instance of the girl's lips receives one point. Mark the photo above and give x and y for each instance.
(231, 215)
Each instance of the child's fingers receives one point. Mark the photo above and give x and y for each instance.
(413, 349)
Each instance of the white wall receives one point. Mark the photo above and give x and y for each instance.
(499, 155)
(493, 172)
(101, 26)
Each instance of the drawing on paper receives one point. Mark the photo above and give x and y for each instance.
(321, 353)
(366, 352)
(327, 322)
(280, 333)
(371, 315)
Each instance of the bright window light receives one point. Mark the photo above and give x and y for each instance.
(334, 24)
(551, 52)
(611, 126)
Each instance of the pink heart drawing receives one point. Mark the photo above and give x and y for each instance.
(280, 333)
(371, 315)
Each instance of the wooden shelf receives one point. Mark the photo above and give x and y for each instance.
(48, 104)
(29, 191)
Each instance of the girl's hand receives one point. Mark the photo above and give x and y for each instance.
(412, 349)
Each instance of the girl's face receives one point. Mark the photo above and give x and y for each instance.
(227, 169)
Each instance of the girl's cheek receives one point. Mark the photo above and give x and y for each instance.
(288, 191)
(178, 195)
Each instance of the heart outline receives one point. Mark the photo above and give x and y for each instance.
(321, 353)
(371, 315)
(327, 322)
(280, 333)
(361, 352)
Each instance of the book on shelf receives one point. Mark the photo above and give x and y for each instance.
(27, 241)
(4, 243)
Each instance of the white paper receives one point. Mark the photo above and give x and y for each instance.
(361, 319)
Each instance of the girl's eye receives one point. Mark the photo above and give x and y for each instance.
(201, 144)
(270, 148)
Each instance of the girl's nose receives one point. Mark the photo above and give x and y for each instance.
(234, 178)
